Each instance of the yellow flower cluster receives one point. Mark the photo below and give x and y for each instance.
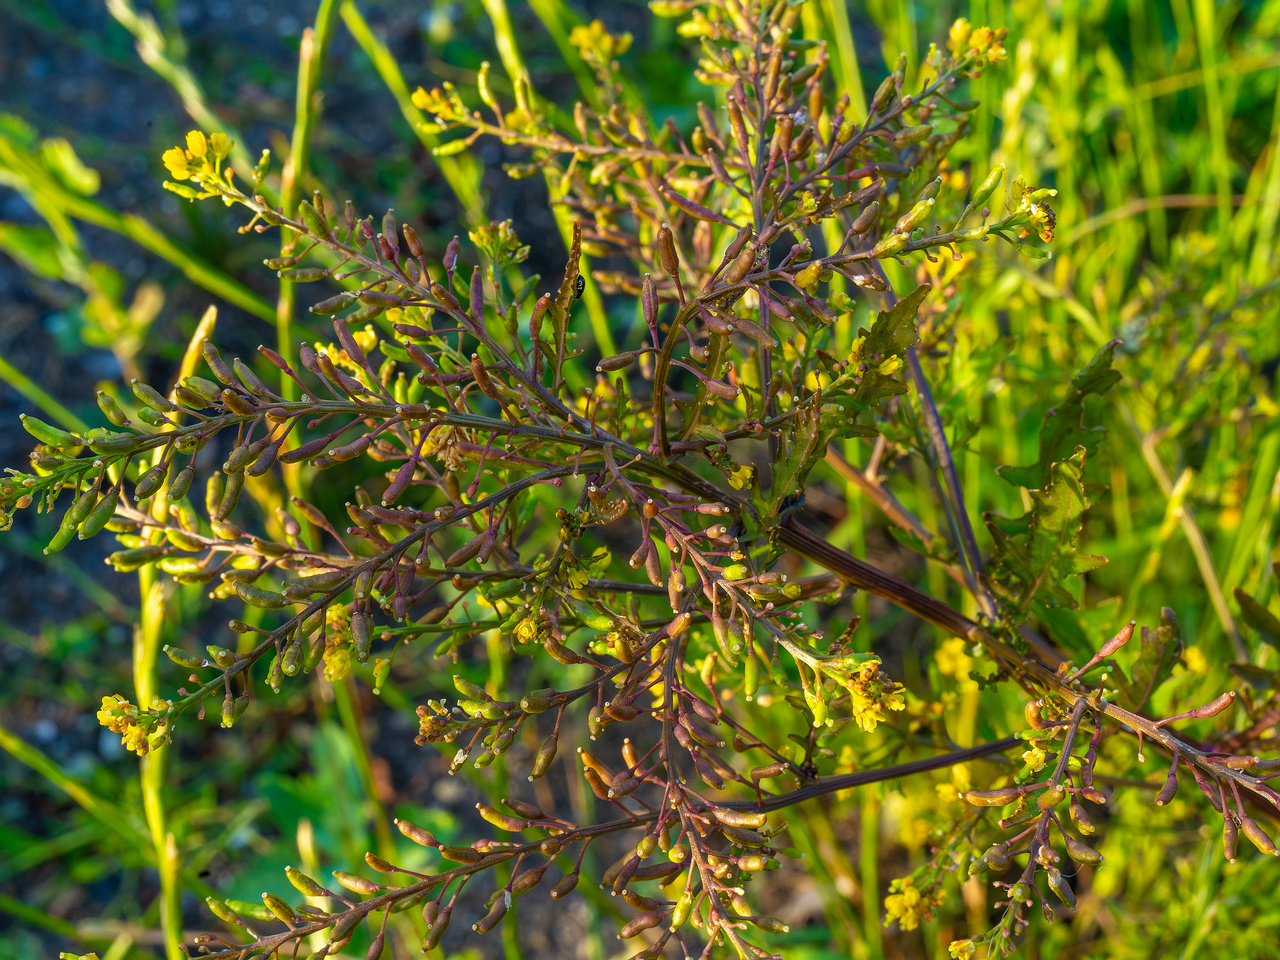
(984, 44)
(1042, 217)
(120, 716)
(908, 905)
(962, 949)
(203, 156)
(871, 693)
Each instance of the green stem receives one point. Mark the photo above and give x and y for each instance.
(20, 382)
(344, 695)
(146, 650)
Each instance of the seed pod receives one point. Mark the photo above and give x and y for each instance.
(250, 911)
(216, 364)
(1230, 837)
(637, 925)
(417, 834)
(1061, 888)
(100, 514)
(619, 361)
(461, 854)
(356, 884)
(542, 761)
(565, 886)
(667, 251)
(111, 410)
(481, 376)
(230, 496)
(221, 910)
(349, 451)
(151, 481)
(256, 597)
(151, 396)
(751, 819)
(437, 929)
(1257, 835)
(914, 217)
(334, 304)
(1118, 641)
(249, 378)
(988, 187)
(1170, 787)
(46, 433)
(1082, 853)
(279, 908)
(304, 884)
(991, 798)
(313, 221)
(181, 483)
(741, 266)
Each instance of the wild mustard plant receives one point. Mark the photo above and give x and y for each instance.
(671, 471)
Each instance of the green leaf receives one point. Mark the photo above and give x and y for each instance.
(1036, 552)
(1063, 429)
(60, 159)
(35, 248)
(1259, 617)
(876, 366)
(1160, 651)
(1254, 676)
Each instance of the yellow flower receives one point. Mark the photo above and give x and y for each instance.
(197, 144)
(176, 161)
(903, 907)
(220, 145)
(962, 949)
(958, 39)
(120, 716)
(1034, 759)
(952, 660)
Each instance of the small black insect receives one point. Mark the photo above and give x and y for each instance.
(579, 284)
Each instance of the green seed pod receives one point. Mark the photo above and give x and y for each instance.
(66, 532)
(279, 908)
(111, 410)
(151, 481)
(181, 483)
(135, 558)
(100, 514)
(221, 910)
(542, 761)
(47, 434)
(280, 263)
(81, 507)
(914, 217)
(250, 911)
(182, 658)
(313, 221)
(988, 187)
(735, 571)
(291, 662)
(750, 676)
(1053, 796)
(303, 274)
(113, 443)
(334, 304)
(256, 597)
(230, 495)
(151, 396)
(360, 638)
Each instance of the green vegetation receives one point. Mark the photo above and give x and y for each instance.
(881, 504)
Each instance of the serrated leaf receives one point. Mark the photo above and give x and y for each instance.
(877, 367)
(1259, 617)
(1036, 552)
(1159, 652)
(1063, 429)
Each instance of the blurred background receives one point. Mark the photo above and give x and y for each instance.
(1157, 123)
